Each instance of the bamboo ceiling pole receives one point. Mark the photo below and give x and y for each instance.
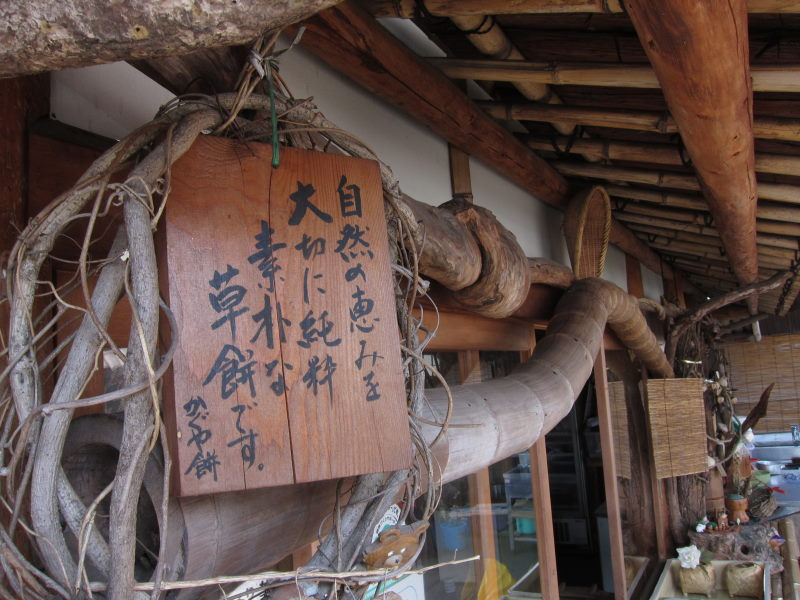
(664, 154)
(656, 122)
(594, 74)
(651, 121)
(409, 9)
(668, 179)
(692, 222)
(715, 254)
(711, 237)
(765, 78)
(696, 203)
(786, 216)
(488, 37)
(765, 252)
(695, 266)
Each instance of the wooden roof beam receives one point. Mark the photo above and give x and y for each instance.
(649, 121)
(662, 154)
(410, 9)
(353, 43)
(766, 77)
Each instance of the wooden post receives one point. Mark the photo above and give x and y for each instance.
(479, 492)
(22, 101)
(469, 370)
(303, 554)
(610, 476)
(661, 508)
(633, 272)
(460, 181)
(540, 484)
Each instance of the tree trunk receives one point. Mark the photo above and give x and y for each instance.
(40, 35)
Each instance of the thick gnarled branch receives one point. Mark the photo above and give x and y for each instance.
(686, 320)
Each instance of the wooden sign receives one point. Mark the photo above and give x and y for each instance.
(288, 366)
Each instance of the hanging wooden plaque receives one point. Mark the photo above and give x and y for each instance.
(288, 366)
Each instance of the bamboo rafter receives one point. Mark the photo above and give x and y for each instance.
(668, 179)
(768, 128)
(690, 221)
(663, 154)
(768, 212)
(766, 78)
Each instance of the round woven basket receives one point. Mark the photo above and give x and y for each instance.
(762, 503)
(587, 226)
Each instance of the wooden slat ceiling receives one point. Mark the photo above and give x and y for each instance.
(626, 138)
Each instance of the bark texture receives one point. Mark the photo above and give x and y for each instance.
(712, 103)
(45, 36)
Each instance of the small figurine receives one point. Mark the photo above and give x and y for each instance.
(395, 546)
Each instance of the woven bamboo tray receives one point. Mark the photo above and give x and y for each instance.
(587, 226)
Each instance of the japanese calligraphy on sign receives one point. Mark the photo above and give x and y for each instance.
(288, 367)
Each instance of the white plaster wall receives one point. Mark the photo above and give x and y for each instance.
(418, 158)
(110, 100)
(653, 284)
(615, 267)
(536, 226)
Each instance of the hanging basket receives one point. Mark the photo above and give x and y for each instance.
(587, 226)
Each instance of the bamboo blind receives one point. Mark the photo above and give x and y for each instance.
(754, 365)
(677, 426)
(619, 428)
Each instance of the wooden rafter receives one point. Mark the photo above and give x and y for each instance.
(668, 200)
(766, 78)
(662, 154)
(690, 221)
(668, 179)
